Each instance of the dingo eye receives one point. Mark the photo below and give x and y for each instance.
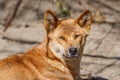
(76, 36)
(63, 38)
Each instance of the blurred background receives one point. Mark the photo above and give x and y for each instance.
(102, 51)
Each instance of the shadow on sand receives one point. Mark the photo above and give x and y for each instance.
(96, 78)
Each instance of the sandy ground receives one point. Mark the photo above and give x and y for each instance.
(102, 51)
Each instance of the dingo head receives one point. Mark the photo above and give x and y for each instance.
(67, 36)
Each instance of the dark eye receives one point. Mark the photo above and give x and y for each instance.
(62, 37)
(76, 36)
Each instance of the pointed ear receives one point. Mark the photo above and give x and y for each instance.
(50, 21)
(85, 19)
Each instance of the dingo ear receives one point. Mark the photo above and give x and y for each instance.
(85, 19)
(50, 21)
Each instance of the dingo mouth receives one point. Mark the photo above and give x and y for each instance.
(70, 56)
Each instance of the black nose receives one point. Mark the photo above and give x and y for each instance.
(73, 51)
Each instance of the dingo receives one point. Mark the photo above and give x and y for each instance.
(57, 58)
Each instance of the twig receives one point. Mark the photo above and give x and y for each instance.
(107, 66)
(107, 6)
(101, 40)
(12, 16)
(18, 40)
(2, 34)
(101, 57)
